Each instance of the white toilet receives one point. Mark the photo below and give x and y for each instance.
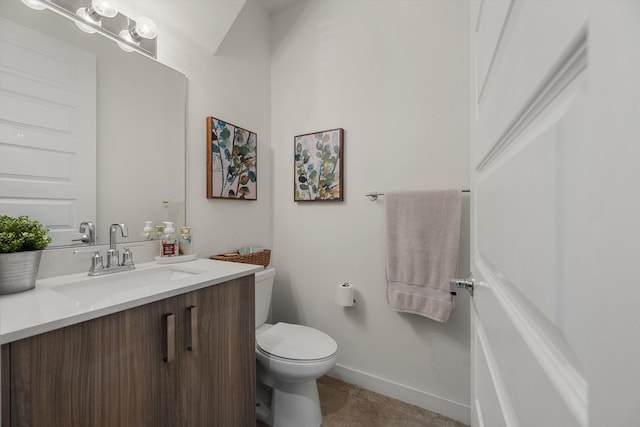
(290, 359)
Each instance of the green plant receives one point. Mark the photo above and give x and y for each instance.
(22, 234)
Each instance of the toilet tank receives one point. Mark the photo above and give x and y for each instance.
(264, 286)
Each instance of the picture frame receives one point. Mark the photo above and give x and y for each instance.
(319, 166)
(232, 160)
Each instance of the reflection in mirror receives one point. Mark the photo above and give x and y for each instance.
(87, 131)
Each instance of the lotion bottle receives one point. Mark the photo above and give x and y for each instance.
(169, 247)
(157, 235)
(185, 241)
(147, 231)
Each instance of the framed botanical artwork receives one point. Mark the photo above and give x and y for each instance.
(232, 159)
(318, 166)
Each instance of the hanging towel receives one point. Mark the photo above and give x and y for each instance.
(423, 234)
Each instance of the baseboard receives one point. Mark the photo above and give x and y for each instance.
(455, 410)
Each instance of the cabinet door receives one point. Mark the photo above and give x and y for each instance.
(217, 376)
(104, 372)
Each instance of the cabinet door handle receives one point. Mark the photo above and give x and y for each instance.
(169, 321)
(193, 327)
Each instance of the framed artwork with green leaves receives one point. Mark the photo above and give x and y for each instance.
(232, 160)
(318, 166)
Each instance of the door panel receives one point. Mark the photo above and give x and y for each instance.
(528, 349)
(47, 131)
(494, 410)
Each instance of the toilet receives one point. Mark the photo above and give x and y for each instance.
(289, 360)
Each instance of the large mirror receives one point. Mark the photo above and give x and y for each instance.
(127, 111)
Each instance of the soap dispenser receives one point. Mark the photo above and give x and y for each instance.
(169, 245)
(147, 231)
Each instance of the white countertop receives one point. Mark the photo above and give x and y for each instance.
(48, 306)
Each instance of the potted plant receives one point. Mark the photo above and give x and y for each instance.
(21, 244)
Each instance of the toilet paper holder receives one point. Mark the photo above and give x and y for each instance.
(345, 295)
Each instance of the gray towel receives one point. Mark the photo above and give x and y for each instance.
(423, 235)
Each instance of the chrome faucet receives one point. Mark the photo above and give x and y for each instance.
(88, 231)
(113, 231)
(112, 253)
(114, 265)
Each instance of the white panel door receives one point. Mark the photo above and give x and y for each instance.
(555, 145)
(47, 131)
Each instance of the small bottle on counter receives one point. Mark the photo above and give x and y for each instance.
(169, 247)
(158, 233)
(147, 231)
(185, 241)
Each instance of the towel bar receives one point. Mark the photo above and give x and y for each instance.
(373, 195)
(455, 284)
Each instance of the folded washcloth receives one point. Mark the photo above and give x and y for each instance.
(423, 235)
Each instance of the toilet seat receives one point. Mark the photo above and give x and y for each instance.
(296, 343)
(299, 362)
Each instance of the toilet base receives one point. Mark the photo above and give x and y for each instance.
(289, 404)
(296, 405)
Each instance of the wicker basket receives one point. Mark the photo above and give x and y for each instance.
(257, 258)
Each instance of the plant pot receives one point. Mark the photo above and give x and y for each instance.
(18, 271)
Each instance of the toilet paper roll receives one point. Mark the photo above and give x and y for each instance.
(344, 294)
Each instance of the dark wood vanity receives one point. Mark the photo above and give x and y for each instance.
(187, 360)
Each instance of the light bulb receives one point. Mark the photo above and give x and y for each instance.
(146, 28)
(106, 8)
(94, 13)
(82, 13)
(126, 35)
(34, 4)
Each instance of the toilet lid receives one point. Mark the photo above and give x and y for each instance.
(296, 342)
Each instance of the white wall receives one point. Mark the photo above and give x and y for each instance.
(394, 75)
(232, 85)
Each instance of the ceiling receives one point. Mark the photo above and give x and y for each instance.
(203, 23)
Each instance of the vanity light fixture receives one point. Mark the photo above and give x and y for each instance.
(145, 28)
(102, 17)
(34, 4)
(94, 12)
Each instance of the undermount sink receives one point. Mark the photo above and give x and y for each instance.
(117, 284)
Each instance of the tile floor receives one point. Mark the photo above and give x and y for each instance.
(347, 405)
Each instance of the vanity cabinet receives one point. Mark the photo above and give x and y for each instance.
(116, 370)
(217, 378)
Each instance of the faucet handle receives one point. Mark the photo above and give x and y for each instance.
(96, 260)
(83, 238)
(127, 256)
(96, 263)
